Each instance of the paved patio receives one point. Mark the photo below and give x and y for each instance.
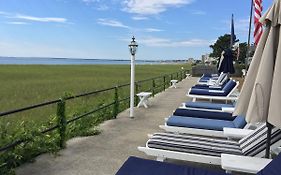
(105, 153)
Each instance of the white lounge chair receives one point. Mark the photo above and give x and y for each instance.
(204, 122)
(228, 93)
(208, 106)
(208, 150)
(220, 81)
(227, 132)
(205, 78)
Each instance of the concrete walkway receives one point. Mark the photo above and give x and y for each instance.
(105, 153)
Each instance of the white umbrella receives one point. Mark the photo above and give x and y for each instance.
(260, 99)
(275, 99)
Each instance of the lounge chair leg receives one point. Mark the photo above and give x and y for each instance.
(160, 159)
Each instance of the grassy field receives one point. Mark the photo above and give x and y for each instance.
(23, 85)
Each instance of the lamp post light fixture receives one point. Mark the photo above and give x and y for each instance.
(133, 49)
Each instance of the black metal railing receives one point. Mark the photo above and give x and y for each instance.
(154, 85)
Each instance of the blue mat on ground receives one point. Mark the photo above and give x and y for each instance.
(203, 123)
(203, 114)
(206, 105)
(273, 168)
(139, 166)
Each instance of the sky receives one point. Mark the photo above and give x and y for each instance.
(102, 29)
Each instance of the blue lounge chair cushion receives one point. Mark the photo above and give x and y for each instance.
(239, 121)
(207, 105)
(203, 80)
(209, 75)
(196, 91)
(203, 114)
(203, 123)
(200, 123)
(139, 166)
(224, 92)
(273, 168)
(229, 86)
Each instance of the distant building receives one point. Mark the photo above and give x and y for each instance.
(206, 59)
(203, 58)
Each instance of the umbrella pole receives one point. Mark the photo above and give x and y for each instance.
(249, 36)
(268, 139)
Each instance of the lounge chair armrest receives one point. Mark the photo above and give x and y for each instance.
(216, 91)
(243, 163)
(211, 83)
(215, 87)
(236, 133)
(228, 109)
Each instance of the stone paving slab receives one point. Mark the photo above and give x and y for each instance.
(105, 153)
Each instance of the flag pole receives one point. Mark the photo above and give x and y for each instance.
(249, 34)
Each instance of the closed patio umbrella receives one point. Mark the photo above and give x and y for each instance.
(226, 62)
(260, 97)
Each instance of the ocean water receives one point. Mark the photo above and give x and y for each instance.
(66, 61)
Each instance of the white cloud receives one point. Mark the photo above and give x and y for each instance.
(163, 42)
(22, 18)
(195, 42)
(17, 23)
(152, 7)
(112, 23)
(40, 19)
(4, 13)
(153, 30)
(241, 26)
(139, 18)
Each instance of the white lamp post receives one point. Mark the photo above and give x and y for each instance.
(133, 49)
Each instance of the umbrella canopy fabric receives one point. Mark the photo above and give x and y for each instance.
(274, 15)
(260, 99)
(226, 62)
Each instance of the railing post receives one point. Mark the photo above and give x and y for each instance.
(171, 79)
(61, 119)
(164, 82)
(181, 74)
(136, 91)
(153, 87)
(116, 102)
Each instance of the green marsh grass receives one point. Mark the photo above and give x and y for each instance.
(25, 85)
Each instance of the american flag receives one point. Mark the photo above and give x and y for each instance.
(258, 25)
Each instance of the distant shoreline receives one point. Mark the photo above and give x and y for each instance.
(75, 61)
